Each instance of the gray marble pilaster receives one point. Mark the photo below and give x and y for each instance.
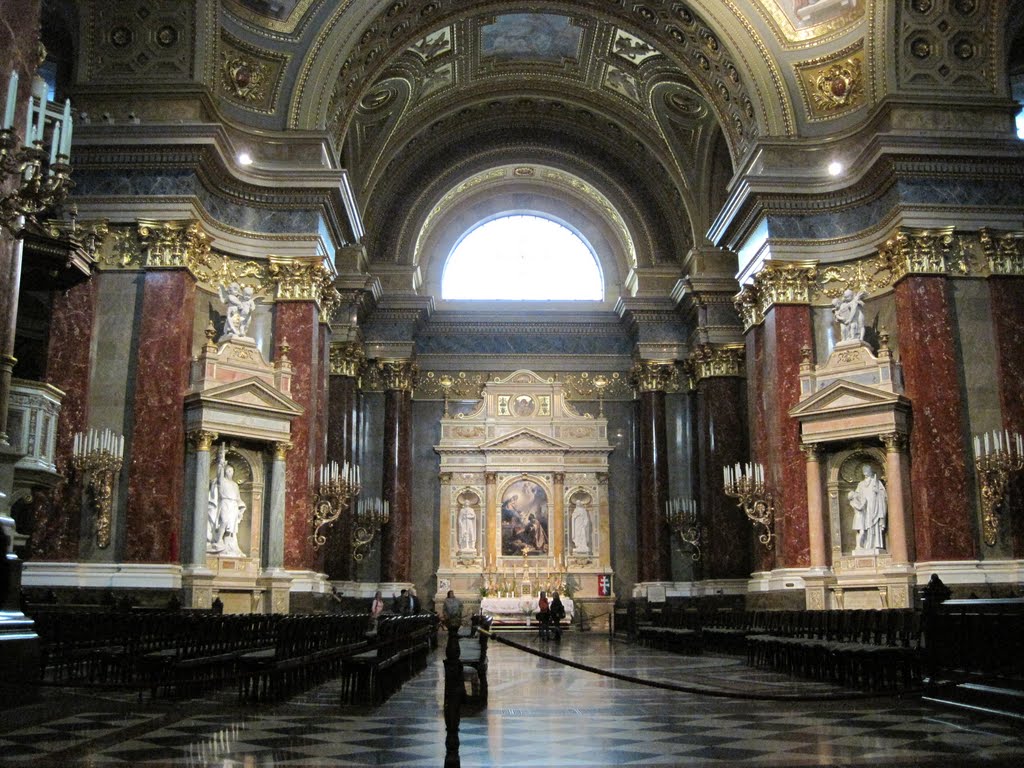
(274, 537)
(197, 496)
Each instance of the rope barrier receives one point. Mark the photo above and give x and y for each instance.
(715, 693)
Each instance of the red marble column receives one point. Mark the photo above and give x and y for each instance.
(67, 367)
(155, 451)
(297, 322)
(396, 536)
(343, 409)
(787, 329)
(654, 560)
(943, 511)
(721, 439)
(758, 396)
(1007, 297)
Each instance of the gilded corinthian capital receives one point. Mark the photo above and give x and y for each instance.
(652, 376)
(711, 361)
(347, 359)
(398, 374)
(785, 282)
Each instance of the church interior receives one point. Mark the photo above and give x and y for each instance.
(761, 354)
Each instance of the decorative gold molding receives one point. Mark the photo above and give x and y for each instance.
(1004, 252)
(172, 244)
(281, 450)
(347, 359)
(398, 375)
(748, 307)
(785, 282)
(710, 361)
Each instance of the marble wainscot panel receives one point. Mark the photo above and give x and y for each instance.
(157, 448)
(297, 322)
(943, 512)
(721, 420)
(787, 329)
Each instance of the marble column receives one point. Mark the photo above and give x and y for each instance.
(654, 560)
(763, 559)
(787, 330)
(72, 319)
(897, 492)
(342, 426)
(396, 536)
(1007, 298)
(721, 440)
(557, 522)
(274, 529)
(155, 451)
(195, 516)
(943, 511)
(493, 532)
(817, 514)
(296, 324)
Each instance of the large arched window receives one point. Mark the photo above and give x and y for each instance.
(522, 257)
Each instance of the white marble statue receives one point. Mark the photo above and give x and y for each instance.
(224, 509)
(849, 313)
(240, 303)
(580, 530)
(467, 529)
(870, 507)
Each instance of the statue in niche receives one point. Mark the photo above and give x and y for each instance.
(240, 303)
(849, 313)
(467, 529)
(224, 509)
(580, 530)
(870, 512)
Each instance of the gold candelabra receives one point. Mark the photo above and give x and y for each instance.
(333, 495)
(995, 460)
(601, 382)
(371, 515)
(44, 176)
(99, 456)
(525, 580)
(681, 516)
(746, 483)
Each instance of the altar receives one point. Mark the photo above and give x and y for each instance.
(502, 608)
(524, 501)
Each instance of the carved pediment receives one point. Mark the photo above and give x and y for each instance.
(249, 395)
(846, 396)
(525, 440)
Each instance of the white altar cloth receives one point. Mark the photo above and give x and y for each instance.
(521, 607)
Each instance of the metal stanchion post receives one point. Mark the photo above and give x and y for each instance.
(454, 693)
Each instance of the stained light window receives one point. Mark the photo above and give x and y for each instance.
(522, 257)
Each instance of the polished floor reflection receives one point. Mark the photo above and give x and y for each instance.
(540, 713)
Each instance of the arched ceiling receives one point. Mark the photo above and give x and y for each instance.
(651, 102)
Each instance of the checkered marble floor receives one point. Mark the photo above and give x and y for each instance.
(540, 713)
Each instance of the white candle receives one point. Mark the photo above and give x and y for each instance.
(12, 97)
(986, 443)
(65, 133)
(977, 447)
(28, 122)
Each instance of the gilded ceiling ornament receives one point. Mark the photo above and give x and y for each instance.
(245, 78)
(840, 86)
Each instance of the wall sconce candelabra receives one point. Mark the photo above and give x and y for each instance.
(371, 515)
(746, 483)
(334, 493)
(44, 176)
(681, 516)
(995, 459)
(601, 382)
(99, 455)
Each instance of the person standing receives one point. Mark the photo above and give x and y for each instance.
(544, 615)
(451, 611)
(557, 611)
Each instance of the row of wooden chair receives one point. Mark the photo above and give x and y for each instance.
(398, 651)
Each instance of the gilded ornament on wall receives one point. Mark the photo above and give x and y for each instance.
(833, 86)
(245, 79)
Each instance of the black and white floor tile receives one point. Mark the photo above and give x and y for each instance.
(540, 713)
